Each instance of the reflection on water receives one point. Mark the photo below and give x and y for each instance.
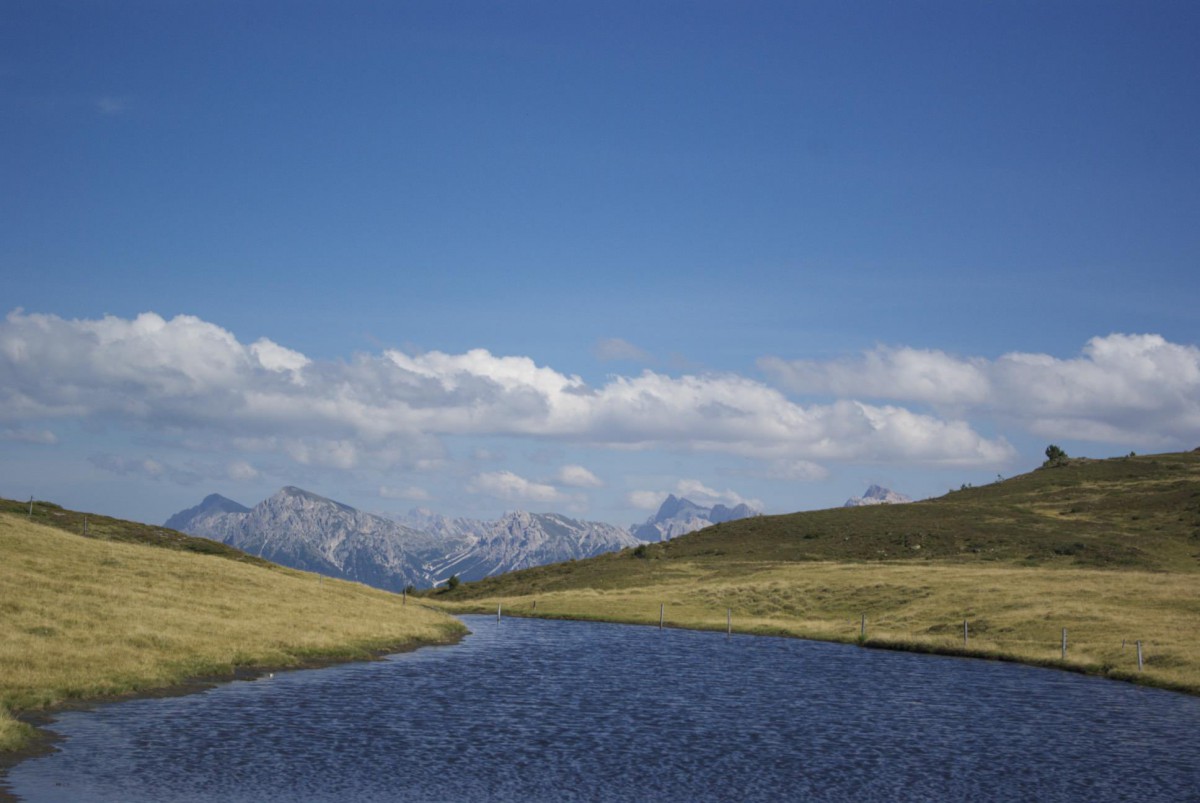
(529, 710)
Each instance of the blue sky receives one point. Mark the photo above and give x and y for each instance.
(575, 256)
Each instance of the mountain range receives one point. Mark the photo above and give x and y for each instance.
(300, 529)
(305, 531)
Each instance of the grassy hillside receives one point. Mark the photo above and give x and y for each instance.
(1109, 549)
(93, 617)
(129, 532)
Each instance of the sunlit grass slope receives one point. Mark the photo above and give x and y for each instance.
(1109, 550)
(86, 617)
(107, 528)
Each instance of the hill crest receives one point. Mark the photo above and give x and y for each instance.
(1135, 512)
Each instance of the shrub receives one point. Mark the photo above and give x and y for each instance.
(1055, 456)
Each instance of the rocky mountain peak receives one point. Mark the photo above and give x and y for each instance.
(677, 515)
(291, 496)
(307, 531)
(213, 505)
(877, 495)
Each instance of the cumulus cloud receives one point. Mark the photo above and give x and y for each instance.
(702, 494)
(507, 485)
(188, 375)
(646, 500)
(1122, 388)
(888, 373)
(578, 477)
(275, 357)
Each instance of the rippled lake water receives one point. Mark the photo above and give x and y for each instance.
(531, 710)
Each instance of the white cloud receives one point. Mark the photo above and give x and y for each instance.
(507, 485)
(614, 348)
(701, 494)
(887, 373)
(646, 500)
(241, 470)
(1122, 388)
(275, 357)
(187, 375)
(578, 477)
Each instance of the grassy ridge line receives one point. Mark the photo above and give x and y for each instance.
(1013, 613)
(1109, 549)
(129, 532)
(85, 618)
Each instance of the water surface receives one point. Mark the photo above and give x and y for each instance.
(531, 710)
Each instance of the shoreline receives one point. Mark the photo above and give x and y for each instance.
(876, 643)
(42, 720)
(46, 739)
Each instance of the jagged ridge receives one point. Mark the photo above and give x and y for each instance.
(677, 516)
(306, 531)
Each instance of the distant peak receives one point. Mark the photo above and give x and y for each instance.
(300, 493)
(213, 503)
(877, 495)
(671, 507)
(291, 492)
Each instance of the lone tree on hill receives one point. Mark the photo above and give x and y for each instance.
(1055, 456)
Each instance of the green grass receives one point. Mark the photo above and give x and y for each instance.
(107, 528)
(1109, 549)
(106, 616)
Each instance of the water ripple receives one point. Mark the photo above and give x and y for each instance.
(529, 710)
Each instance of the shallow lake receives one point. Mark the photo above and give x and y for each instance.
(531, 710)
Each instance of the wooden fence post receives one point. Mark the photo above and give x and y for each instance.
(1064, 644)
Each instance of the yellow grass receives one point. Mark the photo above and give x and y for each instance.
(84, 618)
(1013, 612)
